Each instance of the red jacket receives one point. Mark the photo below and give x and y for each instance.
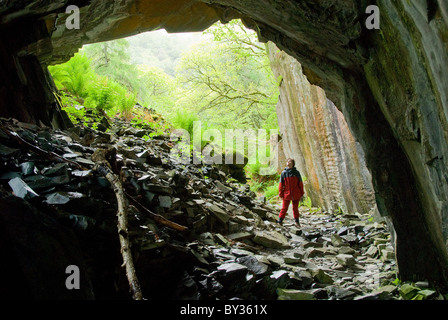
(291, 185)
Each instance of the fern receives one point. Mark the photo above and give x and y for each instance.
(184, 120)
(101, 95)
(73, 76)
(60, 75)
(127, 103)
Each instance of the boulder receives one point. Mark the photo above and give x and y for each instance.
(219, 213)
(321, 276)
(292, 294)
(346, 260)
(266, 287)
(21, 189)
(222, 187)
(258, 268)
(408, 291)
(235, 278)
(270, 239)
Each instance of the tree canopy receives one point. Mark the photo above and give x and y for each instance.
(228, 79)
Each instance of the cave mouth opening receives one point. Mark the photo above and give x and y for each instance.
(217, 85)
(357, 68)
(167, 61)
(110, 59)
(325, 105)
(219, 77)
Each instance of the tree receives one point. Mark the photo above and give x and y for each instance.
(157, 88)
(237, 36)
(111, 59)
(160, 49)
(228, 79)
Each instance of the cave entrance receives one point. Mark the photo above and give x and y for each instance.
(217, 85)
(364, 72)
(225, 79)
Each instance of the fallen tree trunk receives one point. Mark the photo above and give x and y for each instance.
(102, 167)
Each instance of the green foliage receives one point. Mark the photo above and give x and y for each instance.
(75, 111)
(268, 188)
(263, 184)
(225, 82)
(306, 202)
(279, 80)
(271, 192)
(150, 86)
(185, 120)
(73, 76)
(157, 88)
(253, 169)
(242, 41)
(396, 282)
(82, 84)
(228, 79)
(160, 49)
(111, 59)
(126, 104)
(102, 95)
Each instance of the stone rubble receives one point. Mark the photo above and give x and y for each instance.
(233, 249)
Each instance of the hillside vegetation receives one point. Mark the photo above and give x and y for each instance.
(221, 78)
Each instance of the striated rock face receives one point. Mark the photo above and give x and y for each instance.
(390, 84)
(406, 73)
(315, 133)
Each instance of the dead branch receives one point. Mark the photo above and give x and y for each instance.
(103, 168)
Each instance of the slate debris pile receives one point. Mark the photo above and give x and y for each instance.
(216, 240)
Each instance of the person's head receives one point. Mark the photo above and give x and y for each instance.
(290, 163)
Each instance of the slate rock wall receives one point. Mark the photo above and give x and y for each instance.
(315, 133)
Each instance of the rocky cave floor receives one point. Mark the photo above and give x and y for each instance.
(233, 248)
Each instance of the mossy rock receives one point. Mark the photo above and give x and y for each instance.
(408, 291)
(291, 294)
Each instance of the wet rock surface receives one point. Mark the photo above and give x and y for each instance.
(57, 210)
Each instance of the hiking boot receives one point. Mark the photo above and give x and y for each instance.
(280, 221)
(297, 222)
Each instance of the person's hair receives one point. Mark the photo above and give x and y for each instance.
(293, 161)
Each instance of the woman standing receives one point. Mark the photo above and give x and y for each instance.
(290, 189)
